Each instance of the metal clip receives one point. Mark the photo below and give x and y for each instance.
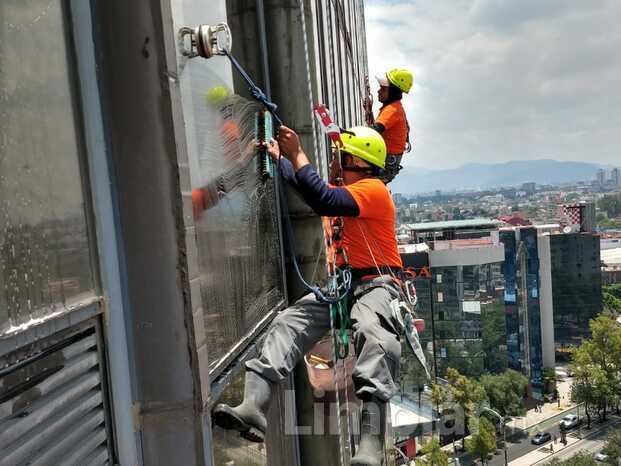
(205, 40)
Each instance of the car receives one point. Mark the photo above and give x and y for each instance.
(541, 437)
(601, 457)
(569, 422)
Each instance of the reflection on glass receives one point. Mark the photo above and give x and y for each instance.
(469, 321)
(229, 448)
(237, 235)
(44, 250)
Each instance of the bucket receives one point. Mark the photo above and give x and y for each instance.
(320, 367)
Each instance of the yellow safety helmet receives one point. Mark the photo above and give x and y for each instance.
(216, 95)
(401, 78)
(365, 143)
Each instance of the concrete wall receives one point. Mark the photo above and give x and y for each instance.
(545, 301)
(467, 256)
(141, 132)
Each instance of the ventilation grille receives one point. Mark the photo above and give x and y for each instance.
(52, 406)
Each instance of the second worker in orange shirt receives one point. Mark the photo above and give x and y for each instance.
(392, 122)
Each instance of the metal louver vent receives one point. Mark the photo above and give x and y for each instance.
(52, 406)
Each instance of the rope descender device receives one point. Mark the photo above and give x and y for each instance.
(205, 40)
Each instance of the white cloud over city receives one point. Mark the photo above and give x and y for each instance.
(499, 80)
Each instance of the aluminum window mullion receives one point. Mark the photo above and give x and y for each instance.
(107, 231)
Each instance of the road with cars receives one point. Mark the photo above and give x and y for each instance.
(593, 442)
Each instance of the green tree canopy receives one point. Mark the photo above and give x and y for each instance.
(611, 204)
(614, 290)
(467, 393)
(433, 455)
(597, 366)
(506, 392)
(482, 442)
(581, 459)
(611, 303)
(613, 447)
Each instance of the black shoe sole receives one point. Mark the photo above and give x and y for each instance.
(225, 418)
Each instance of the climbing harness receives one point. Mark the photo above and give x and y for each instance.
(338, 270)
(337, 274)
(407, 304)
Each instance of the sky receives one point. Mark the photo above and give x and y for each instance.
(501, 80)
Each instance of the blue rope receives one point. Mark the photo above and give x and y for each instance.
(255, 91)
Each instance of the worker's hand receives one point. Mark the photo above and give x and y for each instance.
(291, 148)
(273, 149)
(289, 142)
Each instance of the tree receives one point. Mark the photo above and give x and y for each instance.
(613, 447)
(433, 455)
(466, 393)
(588, 383)
(493, 333)
(611, 303)
(611, 298)
(611, 204)
(614, 289)
(506, 392)
(439, 396)
(604, 350)
(581, 459)
(597, 363)
(482, 442)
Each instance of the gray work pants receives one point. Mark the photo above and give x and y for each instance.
(376, 334)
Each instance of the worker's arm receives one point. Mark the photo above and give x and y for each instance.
(325, 200)
(377, 126)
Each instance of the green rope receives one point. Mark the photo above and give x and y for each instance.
(340, 314)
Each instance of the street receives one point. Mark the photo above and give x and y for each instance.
(525, 453)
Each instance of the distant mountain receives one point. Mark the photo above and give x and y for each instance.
(484, 176)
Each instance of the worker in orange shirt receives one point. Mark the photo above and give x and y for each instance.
(392, 122)
(368, 238)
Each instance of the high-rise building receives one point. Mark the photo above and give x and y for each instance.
(528, 307)
(576, 286)
(461, 300)
(615, 177)
(600, 177)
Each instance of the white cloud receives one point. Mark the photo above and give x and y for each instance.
(499, 80)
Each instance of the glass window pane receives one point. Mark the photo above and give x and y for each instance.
(44, 250)
(237, 232)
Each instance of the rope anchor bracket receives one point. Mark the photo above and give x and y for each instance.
(205, 40)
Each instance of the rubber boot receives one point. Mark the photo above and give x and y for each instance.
(249, 417)
(372, 432)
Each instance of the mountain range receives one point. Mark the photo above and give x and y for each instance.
(475, 176)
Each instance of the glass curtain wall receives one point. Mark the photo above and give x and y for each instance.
(237, 233)
(523, 314)
(469, 322)
(45, 256)
(576, 285)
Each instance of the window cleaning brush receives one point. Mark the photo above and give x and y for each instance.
(264, 129)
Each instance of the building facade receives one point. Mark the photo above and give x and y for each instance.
(528, 303)
(123, 319)
(461, 300)
(576, 286)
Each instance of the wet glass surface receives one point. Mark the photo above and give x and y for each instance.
(237, 233)
(44, 250)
